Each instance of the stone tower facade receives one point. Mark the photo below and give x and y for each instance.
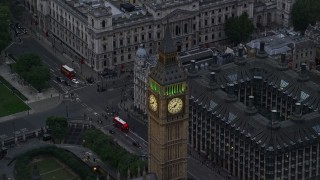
(168, 114)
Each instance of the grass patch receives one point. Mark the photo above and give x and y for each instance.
(18, 93)
(59, 174)
(51, 169)
(46, 165)
(10, 103)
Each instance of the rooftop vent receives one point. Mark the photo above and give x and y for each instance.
(231, 97)
(262, 53)
(274, 123)
(212, 81)
(250, 108)
(192, 71)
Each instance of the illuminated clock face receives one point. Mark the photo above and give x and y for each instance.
(153, 103)
(175, 105)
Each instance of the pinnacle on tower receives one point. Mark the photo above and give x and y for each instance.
(167, 45)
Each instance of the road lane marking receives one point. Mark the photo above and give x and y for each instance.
(84, 105)
(89, 109)
(51, 70)
(138, 136)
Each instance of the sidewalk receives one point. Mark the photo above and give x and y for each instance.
(36, 101)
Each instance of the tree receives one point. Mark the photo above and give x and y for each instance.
(38, 77)
(31, 69)
(4, 27)
(58, 127)
(26, 62)
(239, 29)
(305, 12)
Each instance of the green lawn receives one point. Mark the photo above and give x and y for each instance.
(10, 103)
(57, 175)
(50, 169)
(46, 165)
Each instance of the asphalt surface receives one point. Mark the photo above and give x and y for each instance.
(88, 104)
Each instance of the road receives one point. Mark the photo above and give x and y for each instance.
(87, 102)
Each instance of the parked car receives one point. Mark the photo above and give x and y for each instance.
(136, 144)
(60, 79)
(67, 83)
(75, 81)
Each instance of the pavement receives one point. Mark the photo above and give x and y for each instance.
(36, 101)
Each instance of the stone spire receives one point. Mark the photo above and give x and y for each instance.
(167, 45)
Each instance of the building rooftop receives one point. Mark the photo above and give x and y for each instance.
(256, 127)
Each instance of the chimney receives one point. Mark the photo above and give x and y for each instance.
(298, 109)
(193, 65)
(214, 66)
(274, 116)
(230, 89)
(303, 68)
(303, 74)
(250, 109)
(261, 46)
(212, 77)
(251, 98)
(297, 114)
(274, 123)
(283, 58)
(215, 59)
(240, 52)
(231, 97)
(212, 81)
(192, 73)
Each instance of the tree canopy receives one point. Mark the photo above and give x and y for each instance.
(58, 127)
(305, 12)
(4, 26)
(31, 69)
(239, 29)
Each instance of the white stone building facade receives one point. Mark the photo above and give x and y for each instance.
(99, 33)
(103, 36)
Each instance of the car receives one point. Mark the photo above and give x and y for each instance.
(136, 144)
(60, 79)
(75, 81)
(111, 131)
(67, 83)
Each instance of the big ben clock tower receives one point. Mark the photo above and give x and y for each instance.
(168, 114)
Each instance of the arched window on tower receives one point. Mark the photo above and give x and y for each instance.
(103, 24)
(92, 22)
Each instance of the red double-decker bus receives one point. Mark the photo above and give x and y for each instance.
(68, 72)
(119, 123)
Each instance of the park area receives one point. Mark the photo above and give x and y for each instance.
(9, 102)
(50, 168)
